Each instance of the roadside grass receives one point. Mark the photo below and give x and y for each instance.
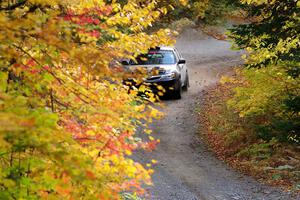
(234, 139)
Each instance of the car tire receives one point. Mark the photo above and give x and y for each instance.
(177, 93)
(186, 83)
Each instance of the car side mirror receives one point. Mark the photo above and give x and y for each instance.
(182, 61)
(125, 62)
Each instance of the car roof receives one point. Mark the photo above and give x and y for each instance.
(166, 48)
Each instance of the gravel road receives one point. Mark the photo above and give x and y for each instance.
(186, 169)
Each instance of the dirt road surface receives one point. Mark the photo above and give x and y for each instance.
(186, 169)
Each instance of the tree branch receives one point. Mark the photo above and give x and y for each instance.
(14, 6)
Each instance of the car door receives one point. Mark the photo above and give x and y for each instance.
(182, 67)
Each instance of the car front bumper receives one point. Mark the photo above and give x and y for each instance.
(163, 84)
(157, 84)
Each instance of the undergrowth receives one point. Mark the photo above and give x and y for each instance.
(237, 141)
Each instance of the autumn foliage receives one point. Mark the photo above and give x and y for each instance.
(67, 124)
(253, 118)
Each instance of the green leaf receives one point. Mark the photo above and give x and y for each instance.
(3, 81)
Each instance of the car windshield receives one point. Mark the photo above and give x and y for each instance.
(155, 57)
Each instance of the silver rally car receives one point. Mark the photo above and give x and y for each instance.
(166, 67)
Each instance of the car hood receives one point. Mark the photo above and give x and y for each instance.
(151, 67)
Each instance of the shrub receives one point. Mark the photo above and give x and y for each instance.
(268, 97)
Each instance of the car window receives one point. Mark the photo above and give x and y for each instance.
(155, 57)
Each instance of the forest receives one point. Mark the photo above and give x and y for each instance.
(68, 124)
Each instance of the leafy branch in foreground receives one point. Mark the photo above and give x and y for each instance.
(67, 124)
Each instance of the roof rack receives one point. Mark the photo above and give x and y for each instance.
(156, 48)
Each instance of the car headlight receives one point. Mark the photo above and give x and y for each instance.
(169, 74)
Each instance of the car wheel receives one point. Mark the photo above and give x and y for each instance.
(178, 91)
(186, 83)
